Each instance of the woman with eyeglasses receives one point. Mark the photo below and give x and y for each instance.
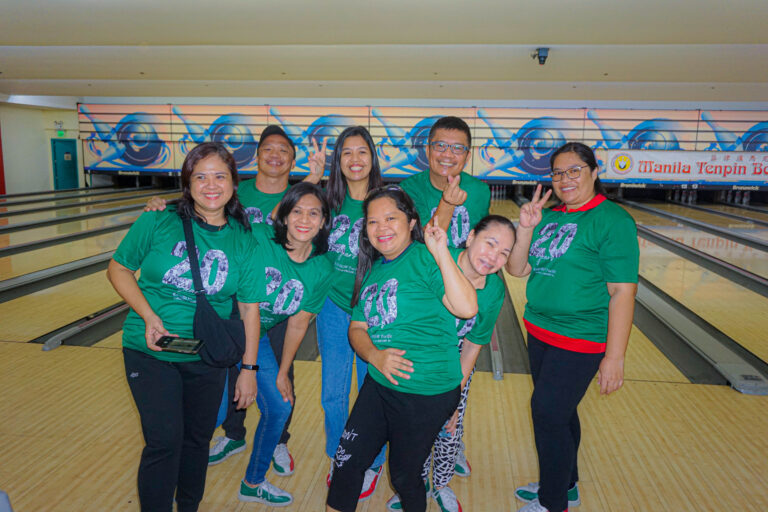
(407, 291)
(354, 171)
(582, 257)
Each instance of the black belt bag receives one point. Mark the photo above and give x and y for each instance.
(224, 340)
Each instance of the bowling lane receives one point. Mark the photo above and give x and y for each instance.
(33, 235)
(744, 228)
(31, 316)
(742, 256)
(763, 216)
(30, 217)
(75, 201)
(31, 261)
(736, 311)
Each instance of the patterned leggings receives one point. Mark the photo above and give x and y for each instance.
(446, 449)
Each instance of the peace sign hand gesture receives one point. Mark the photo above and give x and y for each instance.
(316, 162)
(530, 213)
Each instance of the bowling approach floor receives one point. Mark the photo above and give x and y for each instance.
(72, 436)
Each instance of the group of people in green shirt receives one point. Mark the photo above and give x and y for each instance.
(403, 280)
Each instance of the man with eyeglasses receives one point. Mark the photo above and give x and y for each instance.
(454, 199)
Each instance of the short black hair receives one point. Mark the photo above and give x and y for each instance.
(293, 196)
(451, 123)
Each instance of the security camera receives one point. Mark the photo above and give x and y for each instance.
(541, 54)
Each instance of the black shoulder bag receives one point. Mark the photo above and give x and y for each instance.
(224, 340)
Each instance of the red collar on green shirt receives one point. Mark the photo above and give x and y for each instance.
(599, 198)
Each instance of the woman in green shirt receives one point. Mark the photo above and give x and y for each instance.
(177, 395)
(354, 172)
(407, 291)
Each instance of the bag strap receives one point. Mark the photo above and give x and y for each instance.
(192, 255)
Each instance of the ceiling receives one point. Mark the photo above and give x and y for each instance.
(679, 51)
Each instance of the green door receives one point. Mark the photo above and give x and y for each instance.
(64, 163)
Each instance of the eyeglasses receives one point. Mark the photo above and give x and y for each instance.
(456, 149)
(571, 172)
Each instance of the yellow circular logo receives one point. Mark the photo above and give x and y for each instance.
(622, 163)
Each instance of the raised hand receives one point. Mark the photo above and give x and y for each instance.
(452, 194)
(316, 162)
(155, 204)
(435, 238)
(530, 213)
(391, 363)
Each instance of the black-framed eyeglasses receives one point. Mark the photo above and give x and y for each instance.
(456, 149)
(571, 172)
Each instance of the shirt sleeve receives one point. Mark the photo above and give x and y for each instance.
(489, 309)
(321, 286)
(431, 273)
(252, 286)
(137, 242)
(619, 251)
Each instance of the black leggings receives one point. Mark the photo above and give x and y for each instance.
(560, 379)
(234, 423)
(409, 422)
(178, 404)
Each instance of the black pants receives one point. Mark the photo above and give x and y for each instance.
(560, 379)
(178, 404)
(234, 423)
(409, 422)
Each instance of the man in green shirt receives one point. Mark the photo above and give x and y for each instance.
(454, 199)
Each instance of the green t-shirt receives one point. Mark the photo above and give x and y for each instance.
(401, 302)
(290, 287)
(257, 204)
(342, 249)
(479, 328)
(465, 216)
(573, 255)
(155, 245)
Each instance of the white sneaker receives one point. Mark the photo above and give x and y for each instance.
(223, 448)
(282, 461)
(370, 482)
(530, 492)
(461, 466)
(446, 500)
(265, 493)
(533, 506)
(394, 504)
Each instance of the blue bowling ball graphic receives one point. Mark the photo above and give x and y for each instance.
(137, 134)
(234, 132)
(654, 134)
(326, 128)
(538, 139)
(420, 139)
(756, 138)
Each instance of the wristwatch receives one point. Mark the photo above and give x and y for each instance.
(254, 367)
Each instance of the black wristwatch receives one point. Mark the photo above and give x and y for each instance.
(254, 367)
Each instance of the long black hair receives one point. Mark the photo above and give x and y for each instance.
(367, 254)
(586, 155)
(337, 182)
(293, 196)
(186, 205)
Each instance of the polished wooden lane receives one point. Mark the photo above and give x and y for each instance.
(31, 316)
(24, 263)
(75, 201)
(744, 228)
(66, 228)
(650, 446)
(30, 217)
(738, 312)
(751, 214)
(748, 258)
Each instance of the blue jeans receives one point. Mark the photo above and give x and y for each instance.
(274, 414)
(337, 355)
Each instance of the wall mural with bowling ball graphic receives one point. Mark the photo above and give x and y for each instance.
(509, 144)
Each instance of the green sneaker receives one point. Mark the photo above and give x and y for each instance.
(530, 492)
(265, 493)
(223, 448)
